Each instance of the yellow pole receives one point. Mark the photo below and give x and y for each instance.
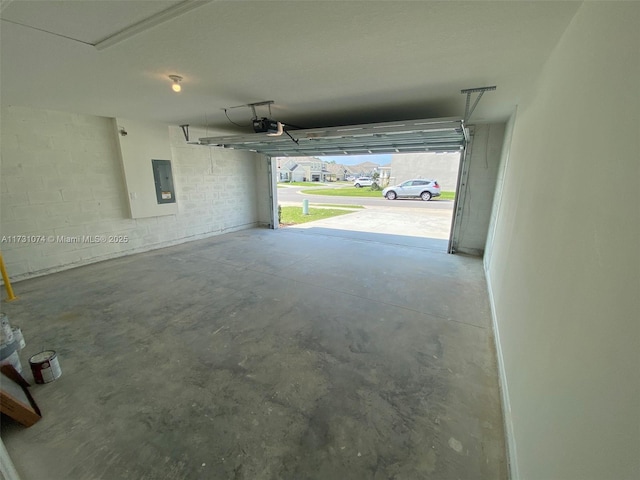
(7, 282)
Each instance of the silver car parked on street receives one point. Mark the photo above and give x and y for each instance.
(415, 188)
(363, 182)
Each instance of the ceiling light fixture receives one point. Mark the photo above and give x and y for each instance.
(176, 87)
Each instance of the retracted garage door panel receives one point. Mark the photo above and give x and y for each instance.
(414, 136)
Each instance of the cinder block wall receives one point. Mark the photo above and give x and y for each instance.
(475, 198)
(61, 176)
(442, 167)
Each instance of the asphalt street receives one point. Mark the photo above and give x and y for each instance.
(293, 196)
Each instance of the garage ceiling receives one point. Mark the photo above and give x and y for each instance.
(324, 63)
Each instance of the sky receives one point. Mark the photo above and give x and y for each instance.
(355, 159)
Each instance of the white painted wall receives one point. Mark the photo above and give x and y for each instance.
(61, 176)
(498, 196)
(144, 142)
(475, 195)
(564, 266)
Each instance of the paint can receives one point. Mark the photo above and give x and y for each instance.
(45, 366)
(6, 334)
(9, 355)
(18, 337)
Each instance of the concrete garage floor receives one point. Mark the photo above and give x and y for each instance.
(287, 354)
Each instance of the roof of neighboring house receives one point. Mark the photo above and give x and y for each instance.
(286, 164)
(291, 166)
(304, 160)
(308, 163)
(366, 165)
(335, 168)
(363, 168)
(291, 163)
(351, 169)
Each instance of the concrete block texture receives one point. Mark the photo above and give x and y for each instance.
(442, 167)
(62, 177)
(477, 188)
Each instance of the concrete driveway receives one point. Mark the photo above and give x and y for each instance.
(390, 227)
(407, 222)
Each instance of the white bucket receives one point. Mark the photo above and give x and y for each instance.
(18, 337)
(14, 360)
(6, 334)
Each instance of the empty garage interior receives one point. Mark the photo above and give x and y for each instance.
(211, 344)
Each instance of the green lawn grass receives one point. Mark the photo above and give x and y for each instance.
(363, 192)
(294, 216)
(301, 184)
(447, 195)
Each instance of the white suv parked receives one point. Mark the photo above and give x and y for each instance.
(417, 188)
(363, 182)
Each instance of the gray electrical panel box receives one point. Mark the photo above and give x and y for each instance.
(164, 181)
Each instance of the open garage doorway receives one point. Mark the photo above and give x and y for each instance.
(479, 147)
(400, 198)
